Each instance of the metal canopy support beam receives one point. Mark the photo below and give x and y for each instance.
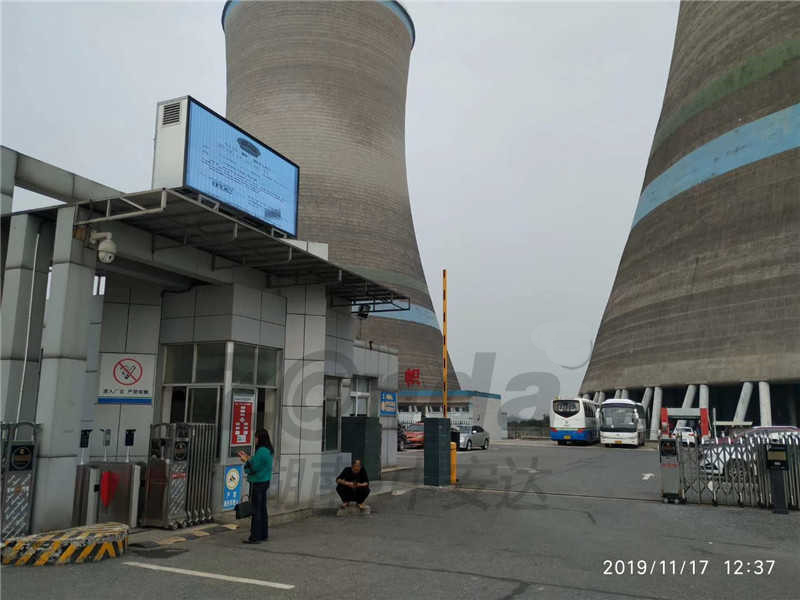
(199, 223)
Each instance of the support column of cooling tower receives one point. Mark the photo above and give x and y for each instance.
(764, 403)
(744, 403)
(655, 419)
(688, 402)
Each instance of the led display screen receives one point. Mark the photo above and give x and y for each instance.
(226, 164)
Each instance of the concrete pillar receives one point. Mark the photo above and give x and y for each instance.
(601, 397)
(62, 386)
(688, 398)
(595, 396)
(302, 405)
(625, 394)
(764, 403)
(703, 396)
(617, 394)
(648, 396)
(744, 402)
(688, 402)
(24, 293)
(655, 419)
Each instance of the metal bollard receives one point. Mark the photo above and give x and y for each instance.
(85, 433)
(453, 452)
(129, 433)
(106, 443)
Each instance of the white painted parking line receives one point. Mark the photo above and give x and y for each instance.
(272, 584)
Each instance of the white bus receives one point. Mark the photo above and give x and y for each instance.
(573, 420)
(622, 422)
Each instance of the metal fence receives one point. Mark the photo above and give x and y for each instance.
(734, 471)
(180, 487)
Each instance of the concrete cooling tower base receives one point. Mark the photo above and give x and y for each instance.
(706, 293)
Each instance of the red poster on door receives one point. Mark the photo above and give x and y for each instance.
(242, 423)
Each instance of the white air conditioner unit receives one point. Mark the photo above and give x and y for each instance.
(170, 142)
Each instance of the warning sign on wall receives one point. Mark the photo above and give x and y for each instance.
(126, 378)
(242, 419)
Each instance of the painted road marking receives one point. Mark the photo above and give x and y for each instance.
(646, 476)
(272, 584)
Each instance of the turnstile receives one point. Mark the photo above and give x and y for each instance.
(107, 491)
(18, 478)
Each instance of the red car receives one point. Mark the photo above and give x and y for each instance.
(415, 436)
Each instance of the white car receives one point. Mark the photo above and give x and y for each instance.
(686, 435)
(730, 456)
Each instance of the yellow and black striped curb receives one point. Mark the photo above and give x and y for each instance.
(194, 534)
(89, 543)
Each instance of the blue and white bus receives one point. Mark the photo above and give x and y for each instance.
(574, 420)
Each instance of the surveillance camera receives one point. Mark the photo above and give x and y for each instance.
(363, 311)
(106, 249)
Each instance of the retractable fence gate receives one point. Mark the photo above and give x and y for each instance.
(20, 451)
(179, 487)
(199, 486)
(735, 471)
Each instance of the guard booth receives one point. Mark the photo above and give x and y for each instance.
(180, 309)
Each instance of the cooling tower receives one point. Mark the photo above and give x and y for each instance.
(325, 84)
(708, 286)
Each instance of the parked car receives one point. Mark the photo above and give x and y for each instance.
(402, 440)
(772, 432)
(472, 436)
(686, 435)
(415, 436)
(732, 456)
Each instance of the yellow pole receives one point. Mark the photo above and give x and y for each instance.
(444, 342)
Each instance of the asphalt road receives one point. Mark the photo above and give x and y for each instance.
(542, 466)
(519, 542)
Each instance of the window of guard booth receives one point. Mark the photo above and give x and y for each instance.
(210, 363)
(244, 364)
(203, 405)
(330, 423)
(179, 363)
(358, 404)
(267, 367)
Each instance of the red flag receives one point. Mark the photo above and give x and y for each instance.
(108, 487)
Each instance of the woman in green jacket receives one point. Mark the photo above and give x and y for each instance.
(259, 474)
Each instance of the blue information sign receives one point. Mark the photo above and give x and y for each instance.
(233, 486)
(388, 404)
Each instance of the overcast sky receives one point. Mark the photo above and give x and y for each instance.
(527, 135)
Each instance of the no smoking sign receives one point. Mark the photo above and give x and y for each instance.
(127, 371)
